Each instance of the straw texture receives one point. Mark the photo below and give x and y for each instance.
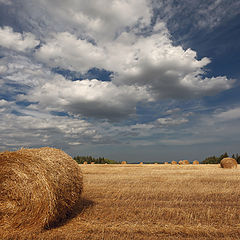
(39, 189)
(228, 163)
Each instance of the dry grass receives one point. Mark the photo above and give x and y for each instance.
(155, 202)
(38, 188)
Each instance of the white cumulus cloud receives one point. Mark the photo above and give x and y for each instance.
(17, 41)
(100, 20)
(90, 98)
(168, 71)
(66, 51)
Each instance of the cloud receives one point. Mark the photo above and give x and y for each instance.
(98, 20)
(171, 121)
(229, 115)
(168, 71)
(6, 2)
(3, 103)
(25, 80)
(41, 107)
(188, 141)
(66, 51)
(17, 41)
(3, 69)
(145, 67)
(19, 69)
(88, 98)
(189, 16)
(211, 15)
(40, 128)
(172, 111)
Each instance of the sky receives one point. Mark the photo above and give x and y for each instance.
(133, 80)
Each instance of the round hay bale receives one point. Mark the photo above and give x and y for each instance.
(228, 163)
(180, 162)
(123, 162)
(165, 162)
(155, 163)
(85, 162)
(185, 162)
(195, 162)
(141, 163)
(92, 162)
(39, 188)
(173, 162)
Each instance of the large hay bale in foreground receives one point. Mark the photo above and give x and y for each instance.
(195, 162)
(185, 162)
(228, 163)
(173, 162)
(39, 188)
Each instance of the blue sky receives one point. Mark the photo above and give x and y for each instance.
(134, 80)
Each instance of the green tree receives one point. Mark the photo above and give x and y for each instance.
(210, 160)
(214, 159)
(89, 159)
(225, 155)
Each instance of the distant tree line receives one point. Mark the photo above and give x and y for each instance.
(89, 159)
(102, 160)
(215, 160)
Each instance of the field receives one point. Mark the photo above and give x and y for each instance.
(155, 202)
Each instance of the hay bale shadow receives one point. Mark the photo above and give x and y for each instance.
(78, 209)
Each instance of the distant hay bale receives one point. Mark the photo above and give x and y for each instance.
(173, 162)
(85, 162)
(123, 162)
(141, 163)
(195, 162)
(180, 162)
(39, 188)
(92, 162)
(165, 162)
(185, 162)
(228, 163)
(155, 163)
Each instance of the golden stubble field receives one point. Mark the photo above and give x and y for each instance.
(155, 202)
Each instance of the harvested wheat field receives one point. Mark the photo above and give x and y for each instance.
(155, 202)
